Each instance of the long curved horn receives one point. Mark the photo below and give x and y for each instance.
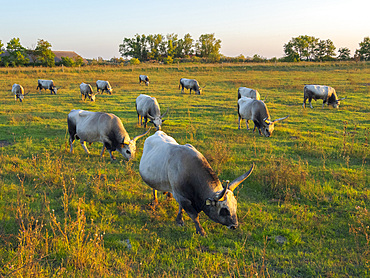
(265, 98)
(280, 119)
(150, 117)
(342, 98)
(139, 136)
(204, 86)
(165, 113)
(223, 193)
(240, 179)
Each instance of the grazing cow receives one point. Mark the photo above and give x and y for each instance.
(326, 93)
(247, 92)
(18, 92)
(47, 85)
(103, 86)
(256, 110)
(87, 92)
(184, 171)
(191, 84)
(148, 107)
(101, 127)
(144, 78)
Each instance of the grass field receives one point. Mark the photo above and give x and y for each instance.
(302, 213)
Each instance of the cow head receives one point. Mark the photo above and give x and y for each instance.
(221, 208)
(55, 89)
(336, 102)
(128, 148)
(147, 81)
(269, 126)
(21, 96)
(157, 121)
(92, 97)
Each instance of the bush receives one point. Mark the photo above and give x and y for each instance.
(168, 60)
(135, 61)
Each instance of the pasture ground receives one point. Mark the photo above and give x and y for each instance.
(302, 213)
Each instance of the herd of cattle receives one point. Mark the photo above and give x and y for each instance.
(165, 165)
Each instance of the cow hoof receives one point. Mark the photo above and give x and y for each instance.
(180, 222)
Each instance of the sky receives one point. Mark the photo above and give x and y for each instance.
(96, 28)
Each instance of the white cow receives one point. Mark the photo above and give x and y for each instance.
(101, 127)
(183, 171)
(18, 92)
(103, 86)
(247, 92)
(47, 85)
(144, 78)
(190, 84)
(256, 110)
(148, 107)
(326, 93)
(87, 92)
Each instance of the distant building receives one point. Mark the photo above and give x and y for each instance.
(70, 54)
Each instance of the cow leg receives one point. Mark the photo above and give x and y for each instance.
(304, 102)
(102, 151)
(193, 214)
(179, 219)
(246, 123)
(84, 146)
(145, 120)
(71, 144)
(155, 197)
(239, 122)
(111, 155)
(323, 102)
(309, 101)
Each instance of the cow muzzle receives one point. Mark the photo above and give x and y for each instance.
(233, 227)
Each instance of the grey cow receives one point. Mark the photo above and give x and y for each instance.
(326, 93)
(183, 171)
(87, 92)
(190, 84)
(256, 110)
(47, 85)
(101, 127)
(148, 107)
(18, 92)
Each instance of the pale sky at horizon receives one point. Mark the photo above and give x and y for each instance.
(96, 28)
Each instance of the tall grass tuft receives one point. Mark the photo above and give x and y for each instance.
(283, 178)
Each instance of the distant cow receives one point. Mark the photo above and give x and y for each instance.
(247, 92)
(326, 93)
(256, 110)
(148, 107)
(47, 85)
(101, 127)
(103, 86)
(87, 92)
(18, 92)
(190, 84)
(144, 78)
(184, 171)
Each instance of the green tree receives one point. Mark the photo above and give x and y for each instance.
(187, 45)
(1, 48)
(68, 62)
(44, 54)
(324, 50)
(301, 46)
(136, 47)
(155, 41)
(364, 51)
(208, 45)
(17, 53)
(344, 54)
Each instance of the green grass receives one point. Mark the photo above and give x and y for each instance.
(82, 215)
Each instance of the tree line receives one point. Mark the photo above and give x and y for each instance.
(165, 48)
(170, 48)
(309, 48)
(41, 55)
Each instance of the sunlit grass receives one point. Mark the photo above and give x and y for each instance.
(302, 213)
